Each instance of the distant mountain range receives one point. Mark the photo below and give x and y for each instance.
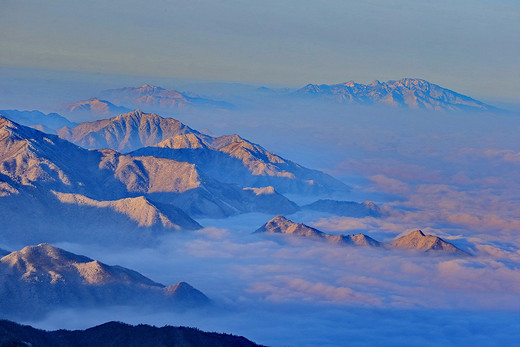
(92, 108)
(112, 102)
(415, 240)
(39, 278)
(407, 92)
(116, 334)
(48, 123)
(156, 99)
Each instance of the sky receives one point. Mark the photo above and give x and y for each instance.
(470, 46)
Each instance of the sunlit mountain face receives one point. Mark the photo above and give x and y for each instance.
(215, 174)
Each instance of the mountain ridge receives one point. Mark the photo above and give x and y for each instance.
(105, 188)
(410, 93)
(42, 277)
(156, 99)
(116, 333)
(415, 240)
(124, 132)
(281, 225)
(228, 158)
(93, 107)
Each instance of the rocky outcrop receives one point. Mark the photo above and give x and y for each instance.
(281, 225)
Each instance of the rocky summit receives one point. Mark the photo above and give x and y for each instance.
(282, 225)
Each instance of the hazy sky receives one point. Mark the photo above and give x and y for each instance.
(471, 46)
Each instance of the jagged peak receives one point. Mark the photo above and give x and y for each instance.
(139, 115)
(226, 140)
(350, 83)
(148, 86)
(412, 79)
(280, 218)
(416, 233)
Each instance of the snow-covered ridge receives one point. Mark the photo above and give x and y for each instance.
(410, 93)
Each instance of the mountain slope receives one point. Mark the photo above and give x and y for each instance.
(41, 278)
(408, 92)
(35, 215)
(140, 210)
(155, 99)
(281, 225)
(116, 334)
(416, 240)
(28, 156)
(233, 159)
(92, 107)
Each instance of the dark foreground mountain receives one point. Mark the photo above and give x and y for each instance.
(410, 93)
(414, 241)
(116, 334)
(3, 252)
(156, 99)
(281, 225)
(41, 278)
(345, 208)
(48, 123)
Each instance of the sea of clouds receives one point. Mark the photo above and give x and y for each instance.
(454, 175)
